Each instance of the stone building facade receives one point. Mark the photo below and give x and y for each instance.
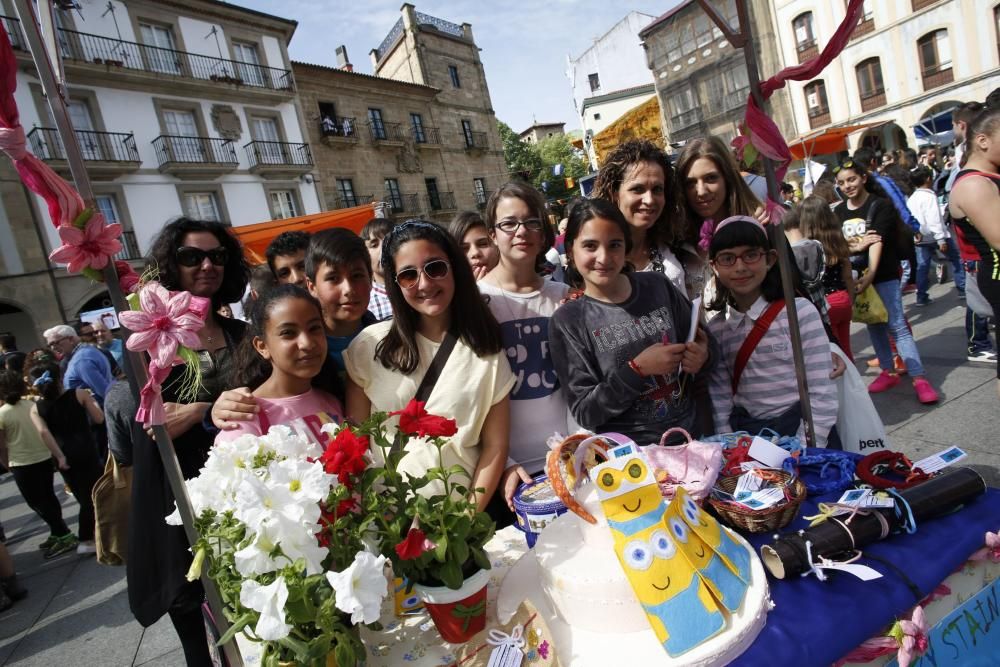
(420, 134)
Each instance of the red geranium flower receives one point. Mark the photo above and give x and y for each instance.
(415, 544)
(345, 455)
(415, 420)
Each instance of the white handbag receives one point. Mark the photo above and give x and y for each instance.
(858, 423)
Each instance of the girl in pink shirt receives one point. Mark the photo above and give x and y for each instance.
(282, 362)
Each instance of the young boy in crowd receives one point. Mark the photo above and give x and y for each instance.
(372, 234)
(286, 255)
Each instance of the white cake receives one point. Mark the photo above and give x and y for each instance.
(575, 580)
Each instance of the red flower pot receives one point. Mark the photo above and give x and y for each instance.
(457, 614)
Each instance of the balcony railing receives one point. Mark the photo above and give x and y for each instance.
(96, 49)
(441, 201)
(865, 25)
(480, 198)
(380, 130)
(194, 150)
(476, 141)
(95, 146)
(920, 4)
(736, 99)
(807, 50)
(350, 201)
(426, 135)
(403, 203)
(935, 77)
(873, 100)
(278, 153)
(686, 119)
(130, 247)
(818, 118)
(344, 127)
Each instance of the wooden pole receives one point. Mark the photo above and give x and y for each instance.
(743, 39)
(55, 93)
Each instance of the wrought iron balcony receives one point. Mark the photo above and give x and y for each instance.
(480, 198)
(350, 201)
(441, 201)
(81, 47)
(807, 50)
(476, 141)
(936, 76)
(341, 127)
(130, 247)
(430, 136)
(105, 153)
(873, 100)
(866, 25)
(818, 117)
(381, 131)
(403, 203)
(278, 158)
(736, 99)
(199, 156)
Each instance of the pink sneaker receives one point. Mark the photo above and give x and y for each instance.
(884, 382)
(925, 392)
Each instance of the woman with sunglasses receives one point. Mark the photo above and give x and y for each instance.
(867, 209)
(523, 301)
(435, 301)
(202, 258)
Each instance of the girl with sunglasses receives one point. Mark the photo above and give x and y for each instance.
(522, 301)
(620, 350)
(435, 301)
(754, 386)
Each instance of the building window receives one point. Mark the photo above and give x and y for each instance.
(805, 38)
(345, 192)
(920, 4)
(816, 104)
(282, 204)
(393, 194)
(934, 50)
(108, 207)
(703, 30)
(202, 206)
(164, 58)
(595, 82)
(248, 68)
(467, 131)
(479, 191)
(870, 87)
(417, 122)
(433, 195)
(453, 73)
(597, 116)
(376, 124)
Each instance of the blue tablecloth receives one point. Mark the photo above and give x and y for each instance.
(817, 623)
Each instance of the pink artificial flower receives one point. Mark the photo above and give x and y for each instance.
(91, 247)
(991, 551)
(914, 640)
(164, 323)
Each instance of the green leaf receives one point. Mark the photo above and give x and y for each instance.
(442, 547)
(451, 575)
(479, 556)
(460, 552)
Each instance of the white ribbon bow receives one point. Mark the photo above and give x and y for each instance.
(500, 638)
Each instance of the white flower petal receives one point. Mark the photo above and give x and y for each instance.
(360, 588)
(270, 602)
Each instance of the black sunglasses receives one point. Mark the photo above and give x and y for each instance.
(436, 269)
(189, 256)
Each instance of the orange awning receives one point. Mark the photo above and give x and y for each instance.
(255, 238)
(832, 140)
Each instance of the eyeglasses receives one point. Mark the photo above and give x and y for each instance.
(511, 225)
(750, 257)
(55, 343)
(189, 256)
(436, 269)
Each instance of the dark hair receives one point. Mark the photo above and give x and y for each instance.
(261, 279)
(993, 99)
(376, 228)
(463, 222)
(336, 247)
(818, 222)
(8, 341)
(12, 387)
(740, 199)
(742, 233)
(669, 228)
(582, 211)
(51, 389)
(535, 202)
(920, 176)
(900, 175)
(872, 185)
(791, 219)
(965, 112)
(865, 156)
(906, 158)
(236, 272)
(471, 319)
(252, 370)
(987, 122)
(285, 243)
(787, 187)
(826, 190)
(80, 324)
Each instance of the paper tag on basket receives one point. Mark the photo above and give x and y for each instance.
(862, 572)
(940, 460)
(763, 499)
(746, 485)
(767, 452)
(866, 498)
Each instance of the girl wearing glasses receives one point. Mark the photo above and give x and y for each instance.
(522, 301)
(761, 391)
(619, 350)
(434, 296)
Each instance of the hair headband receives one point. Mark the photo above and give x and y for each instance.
(414, 223)
(742, 218)
(44, 378)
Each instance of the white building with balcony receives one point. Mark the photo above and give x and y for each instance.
(181, 107)
(909, 62)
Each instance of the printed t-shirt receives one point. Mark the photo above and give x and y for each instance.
(467, 388)
(305, 414)
(537, 406)
(24, 443)
(884, 221)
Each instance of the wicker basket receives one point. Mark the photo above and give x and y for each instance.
(772, 518)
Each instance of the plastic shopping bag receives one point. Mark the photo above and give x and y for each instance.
(868, 308)
(858, 423)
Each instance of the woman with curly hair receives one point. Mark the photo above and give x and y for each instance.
(637, 177)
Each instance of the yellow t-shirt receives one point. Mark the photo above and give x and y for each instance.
(24, 443)
(465, 391)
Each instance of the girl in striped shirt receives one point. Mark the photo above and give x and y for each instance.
(763, 393)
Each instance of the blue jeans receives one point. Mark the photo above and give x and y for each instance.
(977, 328)
(957, 269)
(891, 295)
(925, 256)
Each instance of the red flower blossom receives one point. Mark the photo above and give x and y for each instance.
(345, 455)
(415, 544)
(415, 420)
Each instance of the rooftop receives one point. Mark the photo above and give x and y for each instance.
(343, 72)
(664, 16)
(634, 91)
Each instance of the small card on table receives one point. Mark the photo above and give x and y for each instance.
(940, 460)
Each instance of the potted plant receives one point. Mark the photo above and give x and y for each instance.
(428, 526)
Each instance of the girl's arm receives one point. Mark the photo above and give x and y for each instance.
(50, 442)
(848, 275)
(979, 200)
(874, 255)
(90, 405)
(495, 440)
(359, 406)
(816, 355)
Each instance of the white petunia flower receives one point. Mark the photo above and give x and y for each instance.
(259, 500)
(270, 602)
(255, 558)
(306, 482)
(361, 587)
(286, 443)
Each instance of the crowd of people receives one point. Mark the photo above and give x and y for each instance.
(532, 328)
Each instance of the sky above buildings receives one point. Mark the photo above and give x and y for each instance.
(524, 43)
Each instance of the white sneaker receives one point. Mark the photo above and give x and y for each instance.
(986, 356)
(86, 548)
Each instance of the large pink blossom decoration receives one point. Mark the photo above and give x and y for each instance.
(164, 323)
(88, 248)
(991, 551)
(912, 637)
